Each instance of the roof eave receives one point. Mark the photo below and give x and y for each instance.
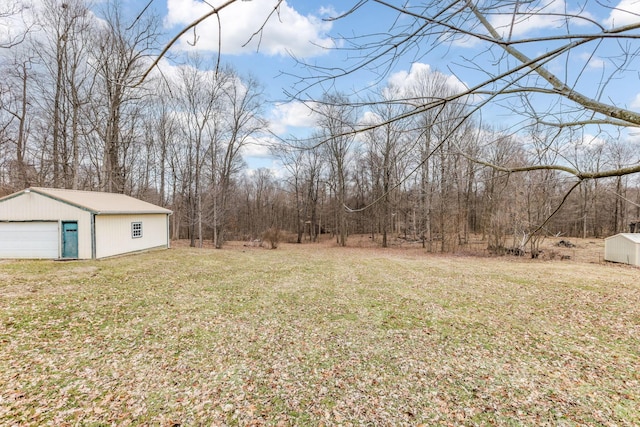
(134, 213)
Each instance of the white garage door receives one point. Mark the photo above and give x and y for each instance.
(28, 240)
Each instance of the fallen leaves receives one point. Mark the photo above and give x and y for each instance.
(308, 336)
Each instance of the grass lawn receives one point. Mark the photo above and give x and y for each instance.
(312, 335)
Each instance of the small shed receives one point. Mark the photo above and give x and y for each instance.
(623, 248)
(71, 224)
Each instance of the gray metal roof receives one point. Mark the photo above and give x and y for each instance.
(100, 203)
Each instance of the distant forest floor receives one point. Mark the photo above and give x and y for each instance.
(565, 249)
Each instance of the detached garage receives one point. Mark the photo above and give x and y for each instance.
(623, 248)
(70, 224)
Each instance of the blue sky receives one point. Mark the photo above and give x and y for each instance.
(300, 28)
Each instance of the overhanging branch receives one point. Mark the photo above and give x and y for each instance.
(560, 87)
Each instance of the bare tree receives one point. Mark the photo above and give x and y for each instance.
(242, 123)
(17, 108)
(439, 134)
(293, 159)
(619, 156)
(385, 148)
(62, 51)
(119, 52)
(302, 161)
(337, 123)
(506, 74)
(164, 129)
(16, 94)
(200, 104)
(588, 154)
(314, 175)
(499, 206)
(12, 10)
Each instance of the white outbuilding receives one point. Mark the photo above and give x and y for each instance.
(71, 224)
(623, 248)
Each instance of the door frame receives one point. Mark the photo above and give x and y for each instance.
(64, 238)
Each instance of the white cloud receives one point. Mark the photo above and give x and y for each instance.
(369, 117)
(13, 26)
(590, 140)
(286, 31)
(419, 77)
(257, 155)
(29, 20)
(536, 19)
(291, 114)
(636, 102)
(544, 15)
(625, 13)
(274, 166)
(593, 62)
(257, 149)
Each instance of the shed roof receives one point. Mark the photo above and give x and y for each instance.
(97, 202)
(634, 237)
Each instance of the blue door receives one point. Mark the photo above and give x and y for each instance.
(70, 239)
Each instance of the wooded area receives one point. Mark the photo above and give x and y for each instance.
(415, 161)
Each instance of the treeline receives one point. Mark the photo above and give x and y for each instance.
(75, 113)
(434, 178)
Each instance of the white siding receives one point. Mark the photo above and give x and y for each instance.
(623, 248)
(35, 207)
(113, 233)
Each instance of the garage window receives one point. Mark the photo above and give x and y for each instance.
(136, 230)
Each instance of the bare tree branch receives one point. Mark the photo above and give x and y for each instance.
(559, 86)
(164, 51)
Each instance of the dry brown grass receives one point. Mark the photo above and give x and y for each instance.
(319, 335)
(585, 250)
